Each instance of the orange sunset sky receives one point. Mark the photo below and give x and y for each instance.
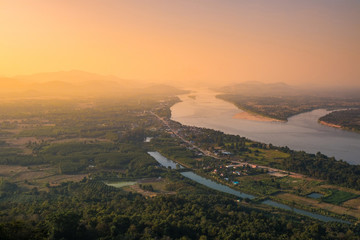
(297, 42)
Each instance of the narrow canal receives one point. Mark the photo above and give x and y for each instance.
(222, 188)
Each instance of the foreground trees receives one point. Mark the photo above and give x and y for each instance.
(93, 210)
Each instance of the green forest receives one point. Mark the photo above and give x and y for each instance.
(91, 210)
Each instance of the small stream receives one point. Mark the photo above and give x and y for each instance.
(214, 185)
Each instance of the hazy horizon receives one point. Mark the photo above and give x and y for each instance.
(49, 77)
(186, 42)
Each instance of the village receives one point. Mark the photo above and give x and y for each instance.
(229, 166)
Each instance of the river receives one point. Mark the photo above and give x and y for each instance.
(301, 132)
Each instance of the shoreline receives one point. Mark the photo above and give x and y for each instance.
(254, 117)
(330, 124)
(339, 127)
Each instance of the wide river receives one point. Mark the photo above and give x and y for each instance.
(301, 132)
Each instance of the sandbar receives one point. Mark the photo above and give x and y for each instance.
(254, 117)
(330, 124)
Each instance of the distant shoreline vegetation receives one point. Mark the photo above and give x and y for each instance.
(344, 119)
(283, 107)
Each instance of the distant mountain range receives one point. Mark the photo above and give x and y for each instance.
(76, 84)
(84, 84)
(72, 76)
(282, 89)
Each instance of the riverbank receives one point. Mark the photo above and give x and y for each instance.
(330, 124)
(348, 119)
(339, 127)
(301, 132)
(254, 117)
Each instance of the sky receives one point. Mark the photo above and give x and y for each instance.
(206, 41)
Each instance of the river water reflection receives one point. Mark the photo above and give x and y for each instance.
(164, 161)
(215, 185)
(301, 132)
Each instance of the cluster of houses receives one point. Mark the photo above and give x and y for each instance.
(231, 172)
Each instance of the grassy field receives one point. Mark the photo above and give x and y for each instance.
(36, 176)
(159, 187)
(337, 196)
(267, 184)
(259, 184)
(267, 157)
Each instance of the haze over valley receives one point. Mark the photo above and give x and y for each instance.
(179, 119)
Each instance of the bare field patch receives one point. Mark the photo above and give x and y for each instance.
(159, 186)
(278, 174)
(21, 141)
(136, 188)
(9, 171)
(353, 203)
(254, 117)
(37, 175)
(20, 174)
(31, 176)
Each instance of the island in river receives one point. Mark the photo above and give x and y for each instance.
(254, 117)
(345, 119)
(283, 107)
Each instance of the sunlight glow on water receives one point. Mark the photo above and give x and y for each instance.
(301, 132)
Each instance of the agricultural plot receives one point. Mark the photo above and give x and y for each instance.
(337, 197)
(353, 203)
(148, 187)
(305, 202)
(267, 157)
